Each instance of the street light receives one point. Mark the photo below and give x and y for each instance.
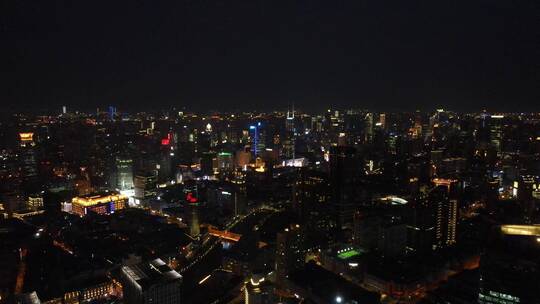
(339, 299)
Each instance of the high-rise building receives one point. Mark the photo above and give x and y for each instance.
(368, 127)
(353, 127)
(257, 138)
(35, 201)
(145, 184)
(27, 156)
(525, 186)
(444, 212)
(345, 171)
(151, 282)
(310, 191)
(164, 166)
(52, 202)
(290, 136)
(382, 120)
(225, 161)
(496, 131)
(207, 163)
(13, 201)
(290, 251)
(311, 202)
(124, 173)
(384, 233)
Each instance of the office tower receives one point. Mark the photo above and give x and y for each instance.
(124, 173)
(207, 163)
(27, 156)
(444, 212)
(13, 201)
(240, 191)
(151, 282)
(483, 132)
(111, 113)
(510, 266)
(310, 192)
(382, 120)
(526, 184)
(368, 127)
(290, 251)
(35, 201)
(165, 161)
(496, 130)
(193, 221)
(165, 173)
(420, 225)
(145, 184)
(52, 203)
(311, 203)
(345, 172)
(225, 161)
(382, 233)
(212, 135)
(353, 127)
(392, 238)
(527, 188)
(102, 203)
(257, 139)
(290, 136)
(417, 128)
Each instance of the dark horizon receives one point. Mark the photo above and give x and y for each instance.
(265, 55)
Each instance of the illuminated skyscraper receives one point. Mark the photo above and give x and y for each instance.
(368, 127)
(444, 212)
(257, 139)
(124, 173)
(35, 201)
(27, 156)
(496, 129)
(145, 184)
(290, 136)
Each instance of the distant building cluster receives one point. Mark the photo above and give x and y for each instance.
(343, 206)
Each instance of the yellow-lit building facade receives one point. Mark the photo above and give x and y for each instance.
(26, 139)
(101, 203)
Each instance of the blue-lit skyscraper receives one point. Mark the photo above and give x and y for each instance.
(257, 139)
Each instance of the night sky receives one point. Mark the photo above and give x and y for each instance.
(265, 54)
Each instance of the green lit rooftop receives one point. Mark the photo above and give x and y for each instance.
(344, 255)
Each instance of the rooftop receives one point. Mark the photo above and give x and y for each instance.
(146, 274)
(99, 198)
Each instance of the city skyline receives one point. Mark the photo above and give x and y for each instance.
(270, 151)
